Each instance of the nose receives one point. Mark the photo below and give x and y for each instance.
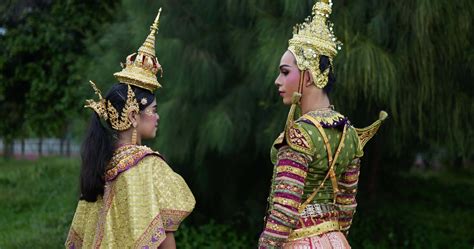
(277, 82)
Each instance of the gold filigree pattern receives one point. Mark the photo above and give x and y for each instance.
(73, 239)
(140, 68)
(299, 140)
(153, 236)
(365, 134)
(136, 209)
(314, 38)
(172, 218)
(313, 230)
(126, 157)
(286, 152)
(131, 105)
(99, 106)
(327, 117)
(291, 169)
(107, 111)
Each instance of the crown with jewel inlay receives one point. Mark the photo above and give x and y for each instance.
(315, 38)
(140, 68)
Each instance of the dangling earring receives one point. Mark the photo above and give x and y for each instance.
(134, 135)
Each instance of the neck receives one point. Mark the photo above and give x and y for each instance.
(314, 100)
(125, 138)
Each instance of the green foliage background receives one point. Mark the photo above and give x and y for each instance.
(220, 110)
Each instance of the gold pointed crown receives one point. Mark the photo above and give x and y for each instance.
(140, 68)
(314, 38)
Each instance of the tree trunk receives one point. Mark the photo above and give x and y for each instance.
(68, 147)
(7, 148)
(40, 146)
(22, 147)
(61, 146)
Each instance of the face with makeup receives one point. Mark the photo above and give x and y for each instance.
(288, 78)
(148, 122)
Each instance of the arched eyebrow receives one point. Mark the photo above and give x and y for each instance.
(284, 65)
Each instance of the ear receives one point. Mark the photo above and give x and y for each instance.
(134, 118)
(308, 78)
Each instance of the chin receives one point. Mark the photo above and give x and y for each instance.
(149, 136)
(286, 102)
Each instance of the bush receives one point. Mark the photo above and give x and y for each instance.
(211, 236)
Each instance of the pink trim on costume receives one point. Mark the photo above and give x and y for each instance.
(275, 234)
(153, 236)
(287, 196)
(109, 194)
(74, 241)
(287, 208)
(124, 166)
(290, 175)
(288, 162)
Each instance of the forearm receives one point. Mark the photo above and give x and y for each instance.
(169, 242)
(346, 199)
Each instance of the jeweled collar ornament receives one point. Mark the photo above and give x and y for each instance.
(314, 38)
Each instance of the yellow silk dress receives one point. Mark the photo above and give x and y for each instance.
(143, 199)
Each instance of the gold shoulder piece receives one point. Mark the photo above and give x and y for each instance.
(299, 139)
(365, 134)
(279, 140)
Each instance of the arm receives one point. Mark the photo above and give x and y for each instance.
(169, 242)
(346, 199)
(287, 189)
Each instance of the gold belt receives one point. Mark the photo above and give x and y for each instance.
(318, 210)
(319, 229)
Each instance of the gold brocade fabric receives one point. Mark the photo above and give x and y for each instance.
(138, 207)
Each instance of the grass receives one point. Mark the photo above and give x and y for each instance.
(36, 200)
(412, 210)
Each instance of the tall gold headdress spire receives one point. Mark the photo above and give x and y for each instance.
(314, 38)
(140, 68)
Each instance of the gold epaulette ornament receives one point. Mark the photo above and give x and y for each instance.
(365, 134)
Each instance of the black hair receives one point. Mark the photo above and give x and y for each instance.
(100, 142)
(324, 63)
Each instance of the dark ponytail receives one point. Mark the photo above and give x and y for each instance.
(96, 152)
(100, 141)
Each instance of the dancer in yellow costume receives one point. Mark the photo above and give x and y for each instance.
(317, 157)
(130, 197)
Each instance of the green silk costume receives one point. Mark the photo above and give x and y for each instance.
(319, 165)
(297, 207)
